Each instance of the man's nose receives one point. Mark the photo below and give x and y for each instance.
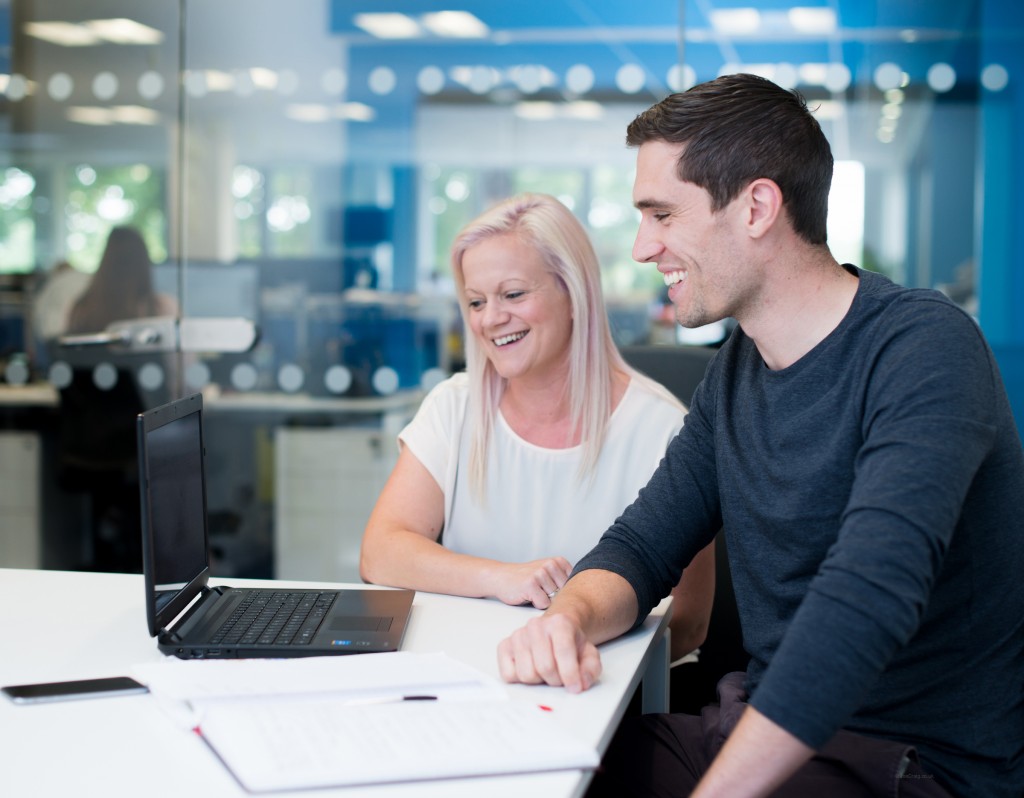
(646, 246)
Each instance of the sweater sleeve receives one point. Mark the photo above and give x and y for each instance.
(674, 516)
(928, 424)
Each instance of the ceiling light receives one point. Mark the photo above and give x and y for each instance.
(93, 32)
(216, 80)
(134, 115)
(318, 112)
(389, 26)
(812, 20)
(263, 78)
(89, 115)
(828, 110)
(892, 111)
(355, 112)
(535, 111)
(310, 112)
(813, 73)
(66, 34)
(736, 21)
(124, 31)
(119, 114)
(584, 109)
(455, 24)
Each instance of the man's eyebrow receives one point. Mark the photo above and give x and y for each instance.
(646, 204)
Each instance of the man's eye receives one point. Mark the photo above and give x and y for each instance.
(660, 217)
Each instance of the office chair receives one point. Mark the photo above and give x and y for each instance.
(97, 459)
(678, 368)
(693, 684)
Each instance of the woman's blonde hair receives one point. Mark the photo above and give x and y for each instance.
(544, 223)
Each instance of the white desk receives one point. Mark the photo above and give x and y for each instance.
(68, 625)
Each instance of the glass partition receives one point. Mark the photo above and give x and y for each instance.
(303, 168)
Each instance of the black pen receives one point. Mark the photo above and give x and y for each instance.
(390, 699)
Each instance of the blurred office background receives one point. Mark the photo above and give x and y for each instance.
(297, 171)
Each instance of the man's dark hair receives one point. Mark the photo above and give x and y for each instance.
(738, 128)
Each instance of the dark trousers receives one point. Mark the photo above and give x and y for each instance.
(665, 756)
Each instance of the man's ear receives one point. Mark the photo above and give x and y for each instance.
(764, 206)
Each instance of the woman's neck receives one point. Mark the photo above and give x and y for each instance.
(542, 414)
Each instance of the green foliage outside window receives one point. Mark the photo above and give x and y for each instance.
(102, 197)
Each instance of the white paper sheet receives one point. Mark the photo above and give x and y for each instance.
(357, 676)
(292, 743)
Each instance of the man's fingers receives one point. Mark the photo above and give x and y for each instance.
(590, 665)
(549, 650)
(566, 652)
(506, 660)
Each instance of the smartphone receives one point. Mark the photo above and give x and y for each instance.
(65, 691)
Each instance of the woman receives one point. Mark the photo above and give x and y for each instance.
(521, 462)
(122, 287)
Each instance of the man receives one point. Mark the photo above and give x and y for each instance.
(855, 441)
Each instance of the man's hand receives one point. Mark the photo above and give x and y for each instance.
(551, 649)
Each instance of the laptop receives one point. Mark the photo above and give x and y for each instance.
(191, 619)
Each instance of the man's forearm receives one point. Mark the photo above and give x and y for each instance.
(602, 604)
(758, 756)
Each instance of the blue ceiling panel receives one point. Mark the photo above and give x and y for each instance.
(518, 15)
(605, 34)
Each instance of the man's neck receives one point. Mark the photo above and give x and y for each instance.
(800, 308)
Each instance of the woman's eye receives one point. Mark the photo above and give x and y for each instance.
(514, 294)
(475, 304)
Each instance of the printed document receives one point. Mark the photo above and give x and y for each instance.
(295, 743)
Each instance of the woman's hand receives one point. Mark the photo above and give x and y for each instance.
(534, 582)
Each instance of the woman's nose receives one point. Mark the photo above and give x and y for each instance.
(494, 314)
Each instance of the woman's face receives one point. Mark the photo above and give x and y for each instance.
(518, 311)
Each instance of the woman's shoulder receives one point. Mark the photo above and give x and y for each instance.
(648, 399)
(448, 396)
(644, 390)
(165, 305)
(454, 388)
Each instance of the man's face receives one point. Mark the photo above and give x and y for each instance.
(692, 246)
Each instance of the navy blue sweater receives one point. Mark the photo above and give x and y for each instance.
(872, 496)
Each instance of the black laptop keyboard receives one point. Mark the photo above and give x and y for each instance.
(275, 618)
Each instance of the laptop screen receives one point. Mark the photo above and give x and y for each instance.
(172, 486)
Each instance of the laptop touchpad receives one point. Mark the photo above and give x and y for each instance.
(360, 623)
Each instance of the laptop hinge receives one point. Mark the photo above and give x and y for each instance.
(165, 633)
(182, 617)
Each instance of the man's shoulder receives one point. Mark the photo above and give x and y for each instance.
(886, 305)
(878, 288)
